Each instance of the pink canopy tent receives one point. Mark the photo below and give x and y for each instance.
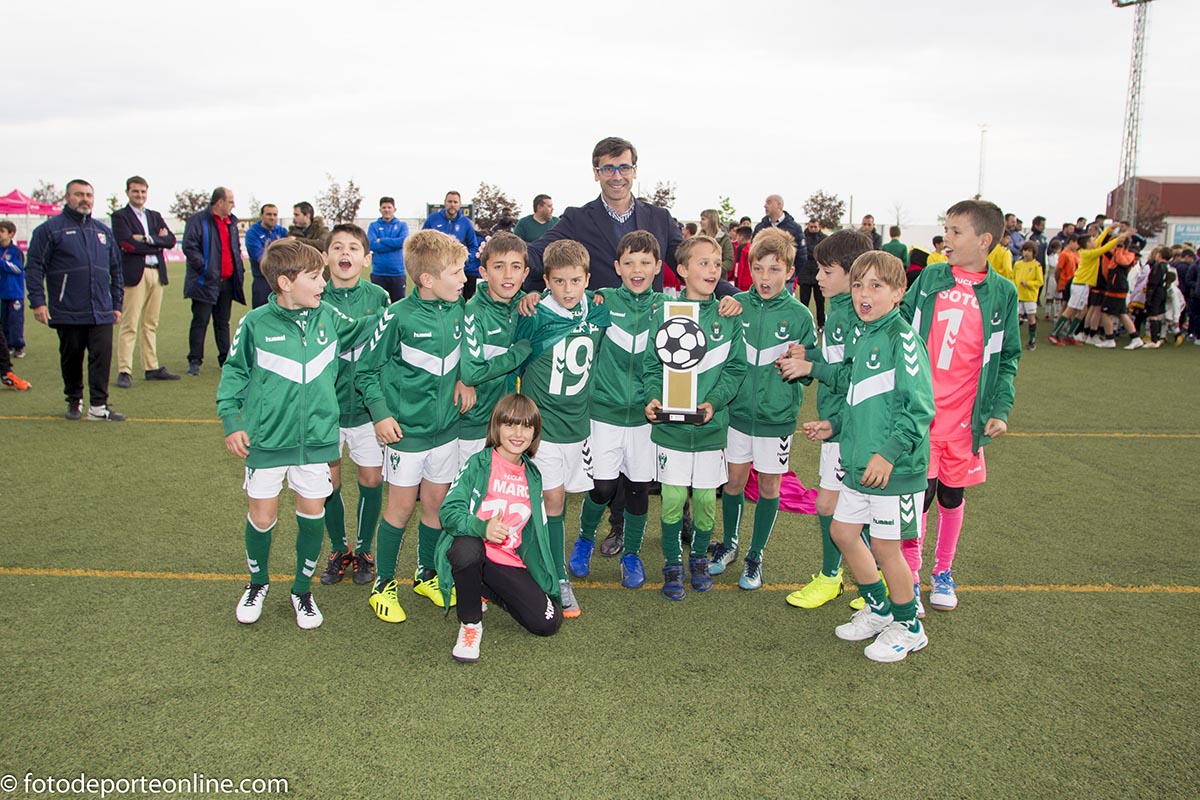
(16, 202)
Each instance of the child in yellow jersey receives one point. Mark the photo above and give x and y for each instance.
(1027, 274)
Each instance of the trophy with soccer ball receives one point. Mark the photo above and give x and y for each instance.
(680, 345)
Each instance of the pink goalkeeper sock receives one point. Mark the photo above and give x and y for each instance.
(911, 548)
(950, 522)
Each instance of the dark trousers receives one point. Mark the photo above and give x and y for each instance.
(12, 319)
(396, 285)
(219, 313)
(97, 340)
(813, 290)
(469, 288)
(5, 359)
(260, 290)
(510, 588)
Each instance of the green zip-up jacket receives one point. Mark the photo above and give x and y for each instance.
(719, 375)
(1001, 344)
(617, 390)
(840, 325)
(889, 406)
(458, 519)
(489, 355)
(362, 300)
(767, 405)
(409, 368)
(279, 382)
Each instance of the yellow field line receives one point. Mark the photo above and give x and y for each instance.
(214, 576)
(58, 417)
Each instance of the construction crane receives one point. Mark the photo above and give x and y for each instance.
(1133, 109)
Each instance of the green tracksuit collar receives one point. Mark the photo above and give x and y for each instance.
(481, 292)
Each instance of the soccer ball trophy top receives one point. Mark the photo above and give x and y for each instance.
(680, 345)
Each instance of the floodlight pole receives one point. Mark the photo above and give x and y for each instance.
(982, 150)
(1133, 107)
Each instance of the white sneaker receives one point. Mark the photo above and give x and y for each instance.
(1106, 344)
(864, 624)
(466, 649)
(104, 413)
(896, 642)
(920, 605)
(1134, 344)
(308, 616)
(943, 595)
(250, 607)
(1154, 345)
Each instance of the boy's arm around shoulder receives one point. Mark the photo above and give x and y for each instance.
(477, 366)
(912, 401)
(456, 515)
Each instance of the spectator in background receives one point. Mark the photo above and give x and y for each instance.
(307, 227)
(215, 276)
(689, 230)
(710, 225)
(777, 217)
(258, 237)
(1037, 235)
(387, 235)
(939, 252)
(535, 226)
(452, 222)
(807, 275)
(896, 247)
(868, 227)
(1065, 235)
(1013, 238)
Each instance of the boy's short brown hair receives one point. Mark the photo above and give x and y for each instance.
(515, 409)
(1029, 246)
(887, 267)
(349, 229)
(503, 242)
(774, 242)
(8, 225)
(566, 253)
(289, 257)
(684, 253)
(986, 217)
(842, 248)
(639, 242)
(429, 252)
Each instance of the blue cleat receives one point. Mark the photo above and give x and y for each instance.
(672, 588)
(581, 557)
(633, 574)
(701, 581)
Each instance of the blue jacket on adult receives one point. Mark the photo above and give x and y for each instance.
(387, 246)
(202, 246)
(74, 266)
(462, 229)
(591, 226)
(12, 273)
(258, 236)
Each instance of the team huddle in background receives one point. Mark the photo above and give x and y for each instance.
(493, 409)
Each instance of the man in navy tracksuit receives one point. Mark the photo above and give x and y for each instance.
(451, 222)
(215, 275)
(77, 287)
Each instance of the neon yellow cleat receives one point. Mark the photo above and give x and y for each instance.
(817, 592)
(386, 604)
(429, 588)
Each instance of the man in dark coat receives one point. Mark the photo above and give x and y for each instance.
(215, 275)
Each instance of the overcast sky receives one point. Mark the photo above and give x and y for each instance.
(875, 99)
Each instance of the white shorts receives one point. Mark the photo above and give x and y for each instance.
(310, 481)
(468, 448)
(893, 517)
(365, 449)
(438, 465)
(703, 470)
(1079, 296)
(769, 454)
(831, 466)
(616, 449)
(568, 465)
(1027, 308)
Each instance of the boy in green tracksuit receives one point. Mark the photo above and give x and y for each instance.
(694, 454)
(347, 251)
(834, 256)
(563, 333)
(489, 353)
(278, 404)
(762, 417)
(885, 454)
(408, 376)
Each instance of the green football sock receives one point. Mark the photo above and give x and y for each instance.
(876, 596)
(335, 521)
(906, 613)
(1060, 327)
(731, 517)
(1033, 331)
(427, 539)
(635, 529)
(700, 541)
(589, 518)
(390, 539)
(308, 550)
(765, 512)
(558, 546)
(370, 503)
(258, 550)
(1076, 324)
(672, 547)
(831, 557)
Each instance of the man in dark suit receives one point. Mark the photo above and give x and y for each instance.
(142, 236)
(600, 224)
(215, 275)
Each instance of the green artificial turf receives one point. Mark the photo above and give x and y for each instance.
(1021, 692)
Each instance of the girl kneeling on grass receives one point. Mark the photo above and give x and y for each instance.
(494, 537)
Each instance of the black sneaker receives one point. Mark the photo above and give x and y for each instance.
(160, 374)
(614, 543)
(364, 568)
(74, 409)
(124, 380)
(336, 568)
(194, 368)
